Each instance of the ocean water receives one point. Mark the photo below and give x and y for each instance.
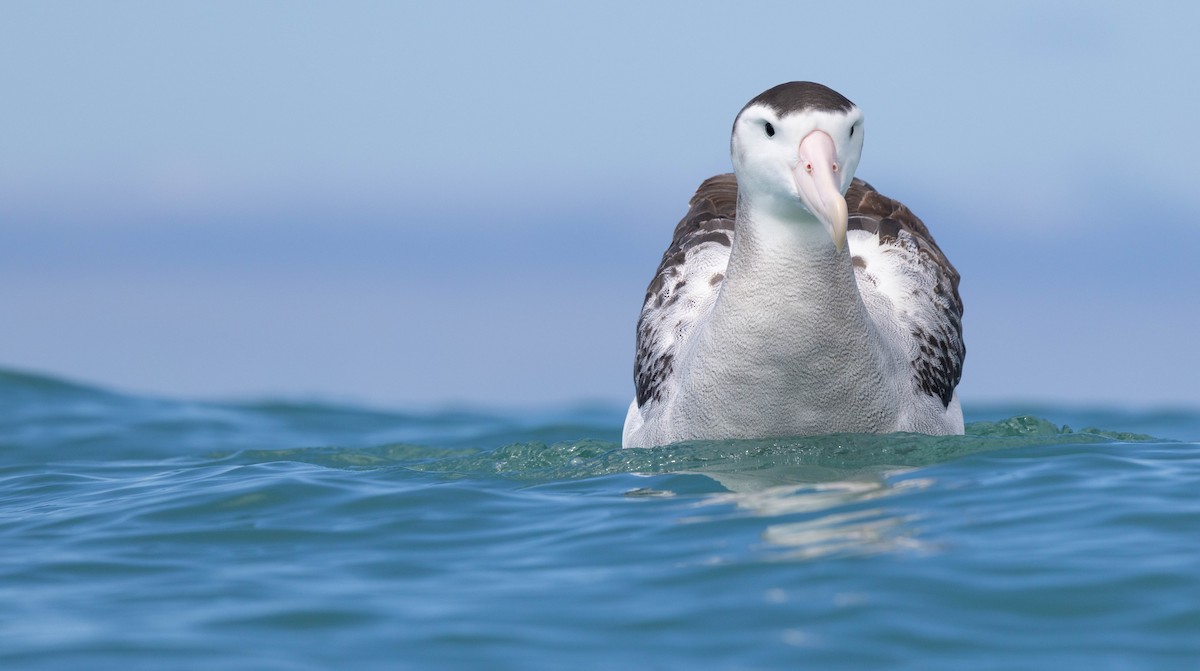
(147, 533)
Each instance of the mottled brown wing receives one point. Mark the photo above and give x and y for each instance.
(933, 308)
(687, 281)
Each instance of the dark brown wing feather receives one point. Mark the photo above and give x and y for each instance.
(874, 212)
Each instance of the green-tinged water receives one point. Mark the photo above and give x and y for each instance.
(144, 533)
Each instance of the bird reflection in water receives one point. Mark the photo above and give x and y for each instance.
(824, 519)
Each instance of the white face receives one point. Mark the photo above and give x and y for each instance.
(767, 158)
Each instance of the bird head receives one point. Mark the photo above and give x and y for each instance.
(795, 148)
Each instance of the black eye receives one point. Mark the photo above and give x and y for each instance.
(852, 131)
(770, 129)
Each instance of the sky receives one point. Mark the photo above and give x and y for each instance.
(427, 204)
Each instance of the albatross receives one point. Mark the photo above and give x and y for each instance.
(795, 299)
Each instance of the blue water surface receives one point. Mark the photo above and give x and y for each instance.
(142, 533)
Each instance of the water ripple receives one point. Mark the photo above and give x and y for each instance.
(148, 533)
